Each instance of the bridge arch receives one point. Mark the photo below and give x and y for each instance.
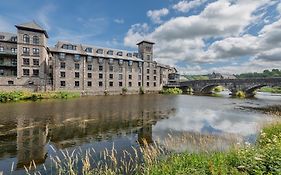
(250, 90)
(208, 88)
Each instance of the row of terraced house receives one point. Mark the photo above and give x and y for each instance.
(27, 63)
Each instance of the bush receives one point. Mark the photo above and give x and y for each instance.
(142, 90)
(174, 91)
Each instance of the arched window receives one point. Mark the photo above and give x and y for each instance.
(26, 38)
(35, 40)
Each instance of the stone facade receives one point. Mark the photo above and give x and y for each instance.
(76, 67)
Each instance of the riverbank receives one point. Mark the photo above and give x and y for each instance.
(33, 96)
(275, 90)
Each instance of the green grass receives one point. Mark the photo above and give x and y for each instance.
(276, 90)
(21, 95)
(174, 91)
(262, 158)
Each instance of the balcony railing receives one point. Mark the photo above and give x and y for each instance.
(8, 64)
(8, 53)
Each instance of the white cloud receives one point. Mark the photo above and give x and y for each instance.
(136, 33)
(227, 22)
(119, 21)
(185, 6)
(155, 15)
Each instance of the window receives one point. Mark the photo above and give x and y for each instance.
(140, 70)
(89, 75)
(154, 78)
(26, 39)
(130, 63)
(14, 50)
(14, 39)
(111, 84)
(147, 71)
(90, 67)
(35, 40)
(89, 59)
(2, 37)
(130, 69)
(100, 68)
(100, 84)
(100, 51)
(154, 84)
(139, 84)
(130, 84)
(26, 61)
(119, 53)
(77, 57)
(154, 71)
(110, 61)
(100, 60)
(26, 50)
(120, 69)
(36, 62)
(62, 74)
(77, 66)
(62, 56)
(139, 77)
(140, 64)
(136, 55)
(89, 84)
(120, 84)
(130, 77)
(69, 47)
(1, 49)
(147, 84)
(26, 72)
(120, 62)
(35, 72)
(110, 52)
(100, 76)
(111, 69)
(110, 76)
(10, 82)
(129, 54)
(147, 77)
(77, 74)
(148, 57)
(62, 65)
(76, 83)
(1, 72)
(120, 77)
(62, 83)
(89, 50)
(14, 61)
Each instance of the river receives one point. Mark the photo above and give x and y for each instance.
(38, 130)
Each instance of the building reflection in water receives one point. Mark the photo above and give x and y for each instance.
(66, 131)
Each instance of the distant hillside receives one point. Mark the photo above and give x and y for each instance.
(196, 77)
(264, 74)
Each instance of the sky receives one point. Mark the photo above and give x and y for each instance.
(195, 36)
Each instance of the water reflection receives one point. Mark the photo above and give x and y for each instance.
(39, 130)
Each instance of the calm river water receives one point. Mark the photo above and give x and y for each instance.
(36, 130)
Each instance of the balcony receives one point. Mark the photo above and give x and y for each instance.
(7, 64)
(8, 53)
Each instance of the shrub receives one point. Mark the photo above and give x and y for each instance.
(171, 91)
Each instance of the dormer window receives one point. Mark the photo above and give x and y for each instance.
(2, 37)
(89, 59)
(130, 63)
(77, 57)
(100, 60)
(14, 39)
(62, 56)
(120, 62)
(129, 54)
(100, 51)
(110, 52)
(89, 50)
(35, 40)
(110, 61)
(120, 53)
(69, 47)
(26, 39)
(136, 55)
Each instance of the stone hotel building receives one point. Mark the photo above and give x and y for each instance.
(27, 63)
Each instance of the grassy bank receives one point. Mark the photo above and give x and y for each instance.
(276, 90)
(262, 158)
(174, 91)
(21, 96)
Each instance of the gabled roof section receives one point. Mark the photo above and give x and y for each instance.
(33, 26)
(145, 41)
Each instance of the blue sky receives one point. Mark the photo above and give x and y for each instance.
(196, 36)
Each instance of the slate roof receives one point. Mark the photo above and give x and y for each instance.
(32, 26)
(7, 36)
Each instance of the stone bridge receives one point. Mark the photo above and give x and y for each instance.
(248, 86)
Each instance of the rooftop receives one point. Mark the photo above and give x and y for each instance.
(32, 26)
